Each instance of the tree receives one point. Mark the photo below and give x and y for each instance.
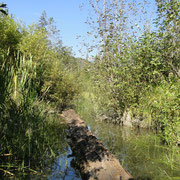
(2, 7)
(49, 25)
(169, 33)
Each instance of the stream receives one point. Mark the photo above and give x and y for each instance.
(140, 152)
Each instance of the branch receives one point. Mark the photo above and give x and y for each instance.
(3, 11)
(175, 70)
(2, 5)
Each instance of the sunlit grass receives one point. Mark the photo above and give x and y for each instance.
(31, 136)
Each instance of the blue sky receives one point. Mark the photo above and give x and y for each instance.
(69, 18)
(67, 14)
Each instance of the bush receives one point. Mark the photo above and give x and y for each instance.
(10, 34)
(132, 69)
(28, 136)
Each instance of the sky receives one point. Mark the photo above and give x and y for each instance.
(69, 17)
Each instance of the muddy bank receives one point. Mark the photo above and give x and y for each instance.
(127, 119)
(94, 161)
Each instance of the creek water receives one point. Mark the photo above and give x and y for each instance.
(139, 151)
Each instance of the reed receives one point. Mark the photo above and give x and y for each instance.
(28, 138)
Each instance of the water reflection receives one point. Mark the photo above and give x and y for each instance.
(139, 151)
(62, 169)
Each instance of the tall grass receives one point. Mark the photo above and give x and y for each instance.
(27, 138)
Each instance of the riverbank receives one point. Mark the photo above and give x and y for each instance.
(140, 151)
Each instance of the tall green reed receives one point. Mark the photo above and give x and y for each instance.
(25, 133)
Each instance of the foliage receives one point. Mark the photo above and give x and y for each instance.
(159, 106)
(32, 75)
(3, 9)
(10, 35)
(169, 33)
(24, 128)
(54, 75)
(131, 67)
(60, 86)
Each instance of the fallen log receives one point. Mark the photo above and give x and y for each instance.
(93, 159)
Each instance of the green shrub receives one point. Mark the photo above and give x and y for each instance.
(132, 70)
(10, 34)
(25, 130)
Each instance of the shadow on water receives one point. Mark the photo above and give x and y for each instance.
(140, 152)
(52, 162)
(62, 168)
